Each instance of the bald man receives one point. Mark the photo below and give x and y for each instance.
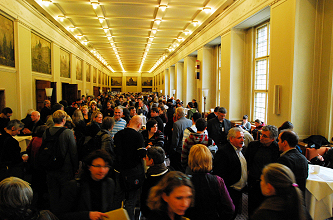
(130, 150)
(30, 128)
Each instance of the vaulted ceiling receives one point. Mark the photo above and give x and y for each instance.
(131, 35)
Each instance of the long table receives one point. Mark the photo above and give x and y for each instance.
(319, 193)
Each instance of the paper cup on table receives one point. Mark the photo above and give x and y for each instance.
(315, 169)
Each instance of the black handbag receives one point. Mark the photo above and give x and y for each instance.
(133, 178)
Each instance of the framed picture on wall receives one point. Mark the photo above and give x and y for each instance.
(65, 69)
(147, 81)
(116, 81)
(40, 54)
(87, 72)
(78, 69)
(131, 81)
(95, 75)
(7, 56)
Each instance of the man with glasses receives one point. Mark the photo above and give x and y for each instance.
(10, 158)
(258, 155)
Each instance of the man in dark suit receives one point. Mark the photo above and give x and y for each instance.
(230, 164)
(292, 158)
(258, 155)
(219, 127)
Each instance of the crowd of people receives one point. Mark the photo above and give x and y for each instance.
(98, 154)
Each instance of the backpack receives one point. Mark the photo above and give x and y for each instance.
(49, 156)
(91, 144)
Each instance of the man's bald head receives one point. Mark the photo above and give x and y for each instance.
(135, 122)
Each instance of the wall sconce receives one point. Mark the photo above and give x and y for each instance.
(48, 92)
(205, 94)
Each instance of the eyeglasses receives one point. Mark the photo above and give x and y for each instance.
(99, 166)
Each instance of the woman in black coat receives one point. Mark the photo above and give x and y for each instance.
(89, 197)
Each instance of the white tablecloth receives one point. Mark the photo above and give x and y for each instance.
(319, 193)
(23, 141)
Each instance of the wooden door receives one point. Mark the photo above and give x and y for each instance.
(69, 93)
(41, 94)
(115, 89)
(96, 91)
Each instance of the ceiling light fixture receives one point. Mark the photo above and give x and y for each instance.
(158, 21)
(61, 17)
(206, 9)
(154, 31)
(163, 7)
(186, 32)
(79, 36)
(101, 19)
(105, 30)
(109, 37)
(47, 2)
(180, 39)
(195, 23)
(72, 29)
(95, 4)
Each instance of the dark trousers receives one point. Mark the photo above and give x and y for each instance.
(130, 198)
(255, 196)
(175, 161)
(236, 197)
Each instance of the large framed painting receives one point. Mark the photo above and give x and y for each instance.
(65, 70)
(78, 69)
(95, 75)
(147, 81)
(99, 76)
(7, 56)
(116, 81)
(87, 72)
(40, 54)
(131, 81)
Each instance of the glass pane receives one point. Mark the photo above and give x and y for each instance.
(260, 106)
(260, 77)
(261, 41)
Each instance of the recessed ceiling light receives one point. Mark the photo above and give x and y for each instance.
(163, 7)
(105, 29)
(158, 21)
(95, 4)
(47, 2)
(154, 31)
(195, 23)
(101, 19)
(206, 9)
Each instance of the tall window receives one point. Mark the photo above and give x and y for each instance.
(261, 72)
(219, 76)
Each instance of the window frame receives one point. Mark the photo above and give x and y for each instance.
(266, 57)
